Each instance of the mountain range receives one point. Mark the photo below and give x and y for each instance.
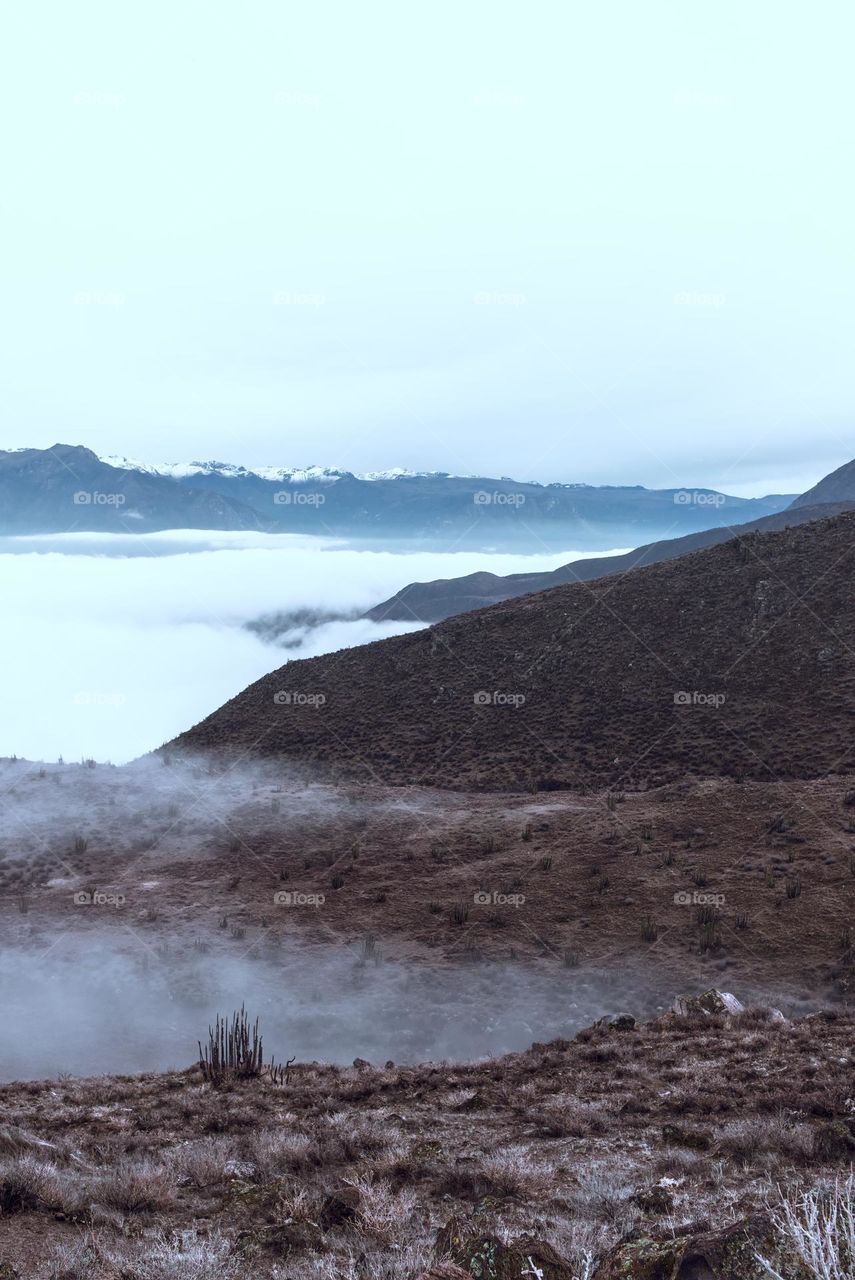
(70, 488)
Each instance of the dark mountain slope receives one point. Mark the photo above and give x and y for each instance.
(737, 660)
(838, 486)
(445, 597)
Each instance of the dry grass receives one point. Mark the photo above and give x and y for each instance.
(355, 1171)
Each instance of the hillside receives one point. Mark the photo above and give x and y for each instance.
(578, 1158)
(734, 660)
(443, 598)
(837, 486)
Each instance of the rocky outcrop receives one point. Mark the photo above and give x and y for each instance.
(729, 1253)
(709, 1003)
(482, 1254)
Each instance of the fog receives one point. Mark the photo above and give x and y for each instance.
(90, 1008)
(130, 979)
(113, 644)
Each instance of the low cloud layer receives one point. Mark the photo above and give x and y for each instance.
(114, 644)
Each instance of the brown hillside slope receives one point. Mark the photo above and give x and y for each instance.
(736, 660)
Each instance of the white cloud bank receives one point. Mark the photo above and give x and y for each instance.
(114, 644)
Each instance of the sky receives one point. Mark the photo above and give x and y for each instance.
(559, 241)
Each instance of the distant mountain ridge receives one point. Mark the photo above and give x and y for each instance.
(69, 487)
(444, 597)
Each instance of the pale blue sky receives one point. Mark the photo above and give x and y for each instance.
(603, 242)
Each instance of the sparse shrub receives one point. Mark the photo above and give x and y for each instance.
(649, 930)
(794, 886)
(545, 863)
(187, 1257)
(513, 1172)
(819, 1227)
(459, 913)
(337, 881)
(202, 1162)
(526, 833)
(28, 1183)
(137, 1186)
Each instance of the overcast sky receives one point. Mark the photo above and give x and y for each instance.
(560, 241)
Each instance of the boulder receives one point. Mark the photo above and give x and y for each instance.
(616, 1022)
(483, 1255)
(728, 1253)
(708, 1003)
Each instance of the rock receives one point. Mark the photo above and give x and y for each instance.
(727, 1253)
(708, 1003)
(339, 1206)
(240, 1169)
(618, 1022)
(483, 1255)
(653, 1200)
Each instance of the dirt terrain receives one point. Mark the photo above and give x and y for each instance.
(734, 661)
(699, 881)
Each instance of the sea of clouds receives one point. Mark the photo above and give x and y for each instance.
(112, 644)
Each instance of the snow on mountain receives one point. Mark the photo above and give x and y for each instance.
(282, 475)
